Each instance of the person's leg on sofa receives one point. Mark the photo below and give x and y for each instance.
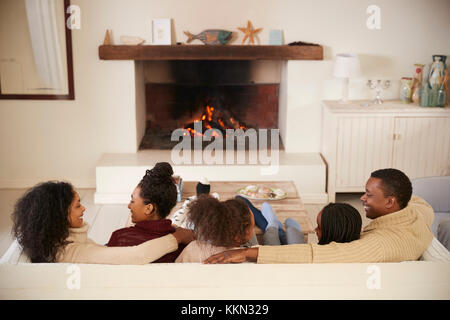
(443, 233)
(293, 232)
(273, 221)
(271, 237)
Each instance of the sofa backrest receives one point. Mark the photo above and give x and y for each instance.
(435, 191)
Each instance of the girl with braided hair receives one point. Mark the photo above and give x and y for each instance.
(150, 204)
(338, 222)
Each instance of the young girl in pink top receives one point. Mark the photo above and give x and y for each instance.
(218, 226)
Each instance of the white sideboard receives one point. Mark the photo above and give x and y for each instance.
(357, 140)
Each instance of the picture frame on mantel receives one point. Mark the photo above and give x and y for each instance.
(161, 32)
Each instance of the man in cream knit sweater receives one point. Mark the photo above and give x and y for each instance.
(400, 230)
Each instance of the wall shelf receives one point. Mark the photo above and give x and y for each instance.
(210, 52)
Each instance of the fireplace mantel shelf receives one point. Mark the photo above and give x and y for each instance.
(209, 52)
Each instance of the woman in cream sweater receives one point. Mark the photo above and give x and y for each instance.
(48, 224)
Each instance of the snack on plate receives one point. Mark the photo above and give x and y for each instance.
(262, 193)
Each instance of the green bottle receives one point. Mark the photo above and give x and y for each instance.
(433, 96)
(425, 96)
(441, 96)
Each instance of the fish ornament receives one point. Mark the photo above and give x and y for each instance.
(210, 36)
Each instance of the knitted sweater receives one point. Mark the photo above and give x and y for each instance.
(197, 251)
(81, 249)
(399, 236)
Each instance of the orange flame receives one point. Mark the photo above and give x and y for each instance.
(207, 121)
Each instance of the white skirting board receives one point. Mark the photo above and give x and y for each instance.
(118, 174)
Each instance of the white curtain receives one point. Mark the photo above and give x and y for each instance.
(42, 24)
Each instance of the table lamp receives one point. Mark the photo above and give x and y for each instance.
(346, 66)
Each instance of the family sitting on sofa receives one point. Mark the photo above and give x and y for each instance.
(48, 224)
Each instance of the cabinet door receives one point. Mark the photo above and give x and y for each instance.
(364, 145)
(422, 146)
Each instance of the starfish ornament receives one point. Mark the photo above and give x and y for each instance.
(249, 33)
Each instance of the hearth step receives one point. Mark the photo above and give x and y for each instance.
(118, 174)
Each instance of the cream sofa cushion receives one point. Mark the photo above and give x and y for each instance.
(435, 252)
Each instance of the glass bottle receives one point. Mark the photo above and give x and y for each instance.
(441, 97)
(433, 96)
(425, 96)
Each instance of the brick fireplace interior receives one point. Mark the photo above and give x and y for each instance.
(222, 94)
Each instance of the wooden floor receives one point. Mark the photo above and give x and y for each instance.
(104, 219)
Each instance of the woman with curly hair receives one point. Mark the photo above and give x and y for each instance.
(48, 224)
(150, 204)
(218, 226)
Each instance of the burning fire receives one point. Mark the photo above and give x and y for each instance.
(214, 119)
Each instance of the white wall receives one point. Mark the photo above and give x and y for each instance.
(42, 140)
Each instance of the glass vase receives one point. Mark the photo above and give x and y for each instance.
(405, 90)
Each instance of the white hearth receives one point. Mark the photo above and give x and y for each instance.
(118, 174)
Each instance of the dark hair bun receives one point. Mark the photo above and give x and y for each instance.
(161, 171)
(158, 188)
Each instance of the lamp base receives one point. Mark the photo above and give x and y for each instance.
(344, 99)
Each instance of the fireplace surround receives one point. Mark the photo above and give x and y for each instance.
(118, 173)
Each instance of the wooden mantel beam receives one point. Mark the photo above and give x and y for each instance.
(210, 52)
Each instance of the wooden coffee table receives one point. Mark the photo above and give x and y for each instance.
(290, 207)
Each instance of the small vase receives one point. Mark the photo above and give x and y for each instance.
(405, 90)
(417, 83)
(415, 96)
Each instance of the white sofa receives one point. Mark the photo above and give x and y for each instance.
(407, 280)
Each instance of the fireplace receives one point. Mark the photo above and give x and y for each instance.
(220, 94)
(173, 67)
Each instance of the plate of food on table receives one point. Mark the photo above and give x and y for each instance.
(262, 193)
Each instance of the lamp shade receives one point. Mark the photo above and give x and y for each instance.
(346, 65)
